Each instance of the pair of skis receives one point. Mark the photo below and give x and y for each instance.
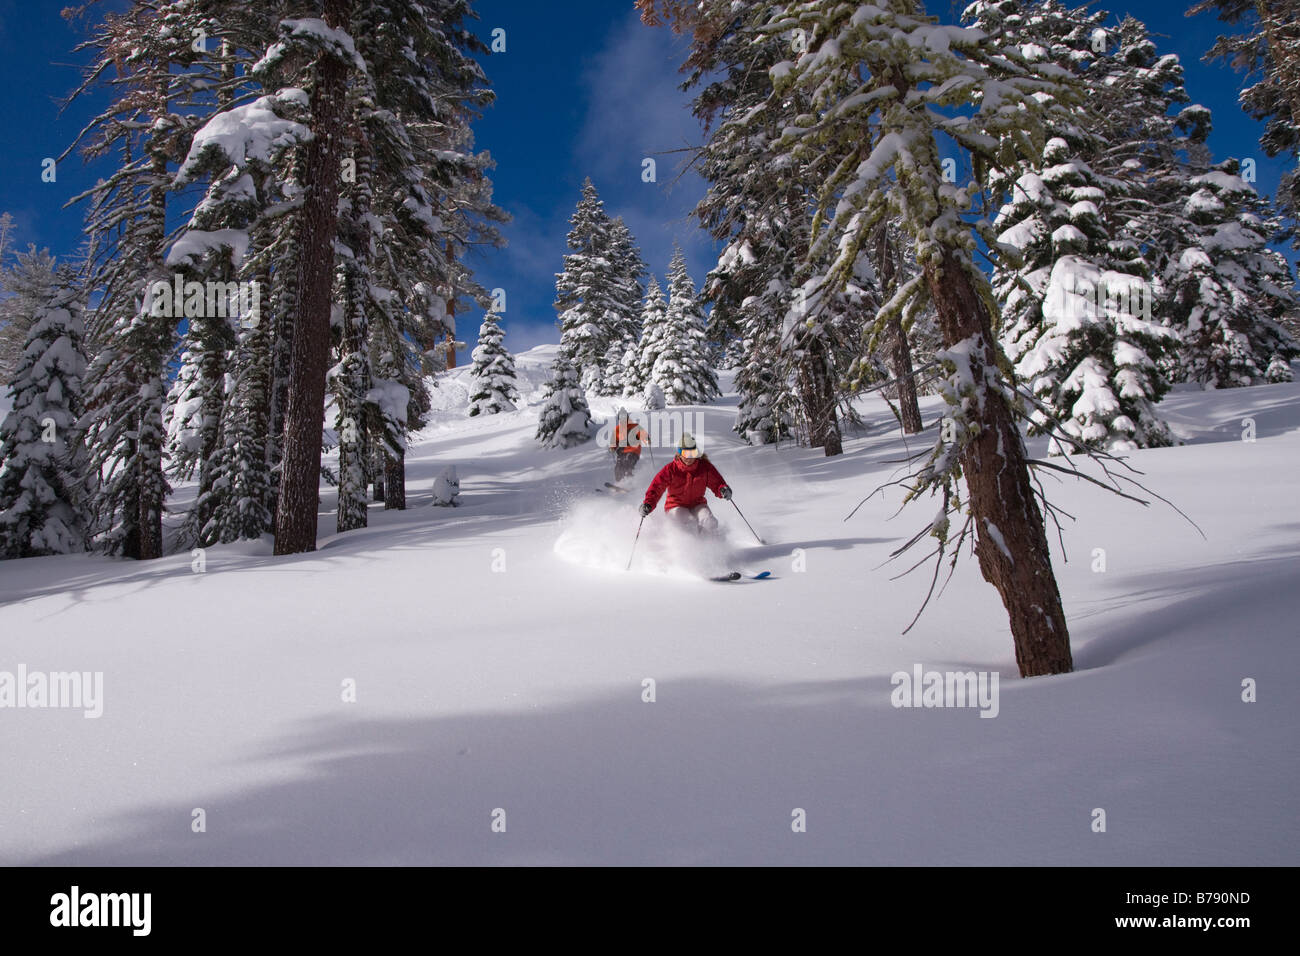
(740, 575)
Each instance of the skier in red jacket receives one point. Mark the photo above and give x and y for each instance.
(685, 478)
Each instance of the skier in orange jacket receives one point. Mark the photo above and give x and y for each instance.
(626, 446)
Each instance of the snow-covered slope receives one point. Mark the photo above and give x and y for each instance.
(499, 654)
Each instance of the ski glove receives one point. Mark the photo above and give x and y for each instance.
(646, 508)
(724, 493)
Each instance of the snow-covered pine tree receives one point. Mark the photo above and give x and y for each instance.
(1077, 310)
(654, 312)
(1149, 142)
(765, 413)
(629, 370)
(759, 204)
(621, 378)
(183, 418)
(43, 464)
(130, 338)
(653, 400)
(748, 293)
(1229, 291)
(242, 485)
(681, 357)
(1267, 50)
(27, 284)
(1151, 137)
(493, 372)
(591, 293)
(565, 419)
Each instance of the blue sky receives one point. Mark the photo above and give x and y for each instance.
(590, 92)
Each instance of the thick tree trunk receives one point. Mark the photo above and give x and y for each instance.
(151, 436)
(131, 510)
(213, 336)
(352, 512)
(901, 353)
(1011, 542)
(378, 466)
(817, 394)
(153, 483)
(354, 381)
(395, 482)
(354, 443)
(283, 302)
(261, 352)
(295, 520)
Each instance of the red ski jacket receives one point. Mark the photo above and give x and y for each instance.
(685, 486)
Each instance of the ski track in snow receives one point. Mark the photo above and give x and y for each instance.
(500, 653)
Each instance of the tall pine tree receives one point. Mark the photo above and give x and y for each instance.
(493, 373)
(1230, 293)
(43, 464)
(565, 418)
(598, 292)
(681, 353)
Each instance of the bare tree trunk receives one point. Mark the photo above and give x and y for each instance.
(899, 349)
(351, 384)
(817, 395)
(295, 520)
(153, 483)
(150, 434)
(282, 304)
(909, 407)
(131, 512)
(394, 482)
(378, 467)
(1011, 542)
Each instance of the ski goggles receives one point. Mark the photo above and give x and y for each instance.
(689, 453)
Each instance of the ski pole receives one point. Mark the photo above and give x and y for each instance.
(744, 519)
(634, 541)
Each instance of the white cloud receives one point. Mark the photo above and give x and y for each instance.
(636, 111)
